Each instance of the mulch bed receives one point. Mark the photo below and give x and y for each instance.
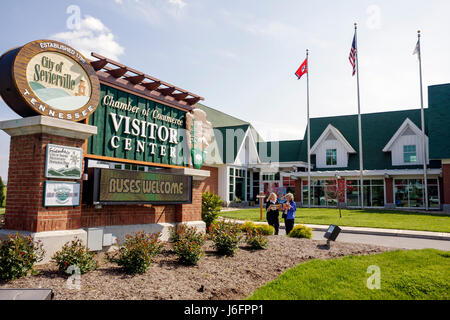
(233, 277)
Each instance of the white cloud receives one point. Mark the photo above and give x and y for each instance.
(92, 36)
(179, 3)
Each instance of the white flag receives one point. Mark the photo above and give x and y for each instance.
(417, 49)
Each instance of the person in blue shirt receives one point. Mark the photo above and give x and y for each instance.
(290, 212)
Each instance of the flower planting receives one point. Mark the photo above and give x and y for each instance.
(77, 254)
(188, 244)
(137, 251)
(256, 239)
(18, 255)
(226, 237)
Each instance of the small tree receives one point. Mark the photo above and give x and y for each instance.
(2, 192)
(211, 205)
(336, 190)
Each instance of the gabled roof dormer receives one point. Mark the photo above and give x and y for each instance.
(332, 142)
(247, 152)
(406, 145)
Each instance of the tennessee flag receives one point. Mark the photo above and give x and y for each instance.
(303, 69)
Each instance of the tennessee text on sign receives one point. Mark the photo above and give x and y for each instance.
(49, 78)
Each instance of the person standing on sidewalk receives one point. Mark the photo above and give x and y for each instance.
(273, 214)
(289, 215)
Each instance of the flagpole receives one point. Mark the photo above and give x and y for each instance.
(309, 129)
(424, 153)
(359, 124)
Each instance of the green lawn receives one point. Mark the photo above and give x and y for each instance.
(374, 218)
(2, 210)
(410, 274)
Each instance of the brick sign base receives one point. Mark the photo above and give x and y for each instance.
(56, 225)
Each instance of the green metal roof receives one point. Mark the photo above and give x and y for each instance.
(289, 150)
(439, 121)
(377, 129)
(228, 127)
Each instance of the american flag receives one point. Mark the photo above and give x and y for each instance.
(352, 56)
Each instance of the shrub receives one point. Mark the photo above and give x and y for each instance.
(18, 254)
(256, 239)
(176, 232)
(211, 206)
(75, 253)
(189, 244)
(247, 225)
(226, 237)
(137, 251)
(300, 231)
(265, 229)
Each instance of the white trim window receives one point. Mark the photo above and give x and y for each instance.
(409, 154)
(373, 192)
(406, 145)
(409, 193)
(331, 157)
(331, 149)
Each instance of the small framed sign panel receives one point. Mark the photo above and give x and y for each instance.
(61, 194)
(63, 162)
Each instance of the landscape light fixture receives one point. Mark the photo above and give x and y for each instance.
(332, 233)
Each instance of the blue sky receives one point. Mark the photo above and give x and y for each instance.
(241, 55)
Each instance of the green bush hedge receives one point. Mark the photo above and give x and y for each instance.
(211, 206)
(300, 231)
(136, 254)
(226, 237)
(18, 254)
(265, 229)
(75, 253)
(188, 244)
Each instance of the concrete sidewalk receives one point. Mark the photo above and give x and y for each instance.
(374, 231)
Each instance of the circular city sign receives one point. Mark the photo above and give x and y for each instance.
(47, 77)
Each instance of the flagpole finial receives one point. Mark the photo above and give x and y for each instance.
(307, 50)
(355, 24)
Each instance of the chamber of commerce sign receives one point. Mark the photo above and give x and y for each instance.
(46, 77)
(125, 187)
(138, 129)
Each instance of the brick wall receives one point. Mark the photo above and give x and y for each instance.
(211, 183)
(125, 215)
(389, 190)
(25, 193)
